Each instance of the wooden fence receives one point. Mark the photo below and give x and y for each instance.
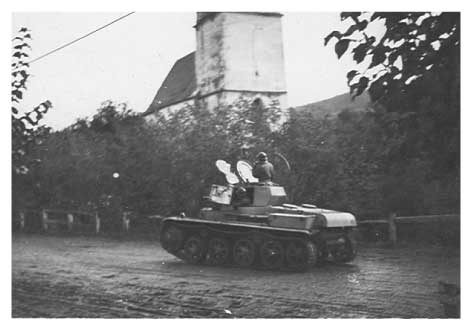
(393, 229)
(78, 221)
(70, 220)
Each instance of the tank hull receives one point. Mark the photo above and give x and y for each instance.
(253, 242)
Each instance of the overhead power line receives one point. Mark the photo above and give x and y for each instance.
(82, 37)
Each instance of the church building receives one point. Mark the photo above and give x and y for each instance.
(238, 54)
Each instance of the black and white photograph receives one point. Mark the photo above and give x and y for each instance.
(235, 164)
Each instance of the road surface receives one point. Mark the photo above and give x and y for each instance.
(96, 277)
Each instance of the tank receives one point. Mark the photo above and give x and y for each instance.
(251, 224)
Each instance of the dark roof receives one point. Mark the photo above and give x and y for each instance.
(179, 84)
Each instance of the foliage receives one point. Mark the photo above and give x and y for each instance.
(343, 164)
(413, 46)
(27, 133)
(412, 73)
(25, 125)
(168, 166)
(165, 168)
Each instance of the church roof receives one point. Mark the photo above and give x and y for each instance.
(179, 84)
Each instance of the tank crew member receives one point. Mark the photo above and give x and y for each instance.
(263, 170)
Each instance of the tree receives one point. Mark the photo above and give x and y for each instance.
(412, 73)
(25, 125)
(165, 167)
(414, 46)
(26, 129)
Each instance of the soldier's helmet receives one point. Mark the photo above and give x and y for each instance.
(262, 156)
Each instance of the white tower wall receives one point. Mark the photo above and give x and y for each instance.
(240, 54)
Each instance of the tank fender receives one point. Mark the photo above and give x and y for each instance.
(337, 219)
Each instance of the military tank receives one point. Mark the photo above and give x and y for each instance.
(251, 224)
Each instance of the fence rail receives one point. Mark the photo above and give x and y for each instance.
(415, 219)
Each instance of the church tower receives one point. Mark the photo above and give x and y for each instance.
(240, 54)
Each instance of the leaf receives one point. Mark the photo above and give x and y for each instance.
(362, 25)
(27, 118)
(370, 40)
(335, 34)
(350, 14)
(353, 28)
(47, 104)
(361, 85)
(341, 47)
(18, 94)
(378, 56)
(394, 71)
(376, 15)
(360, 52)
(21, 63)
(351, 74)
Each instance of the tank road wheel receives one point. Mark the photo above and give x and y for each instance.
(272, 254)
(244, 252)
(194, 249)
(218, 251)
(323, 256)
(345, 252)
(323, 253)
(172, 238)
(301, 254)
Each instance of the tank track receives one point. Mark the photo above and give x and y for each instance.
(247, 248)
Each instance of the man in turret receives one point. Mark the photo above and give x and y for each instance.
(263, 170)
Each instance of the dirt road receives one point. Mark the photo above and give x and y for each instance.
(56, 276)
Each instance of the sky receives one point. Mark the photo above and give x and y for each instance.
(128, 61)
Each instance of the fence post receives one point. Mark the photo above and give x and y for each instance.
(22, 220)
(392, 229)
(69, 221)
(125, 221)
(97, 223)
(44, 220)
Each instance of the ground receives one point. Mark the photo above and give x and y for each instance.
(71, 276)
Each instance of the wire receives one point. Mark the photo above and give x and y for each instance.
(82, 37)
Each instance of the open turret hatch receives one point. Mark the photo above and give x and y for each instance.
(245, 171)
(224, 167)
(247, 195)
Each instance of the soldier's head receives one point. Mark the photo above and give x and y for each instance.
(262, 157)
